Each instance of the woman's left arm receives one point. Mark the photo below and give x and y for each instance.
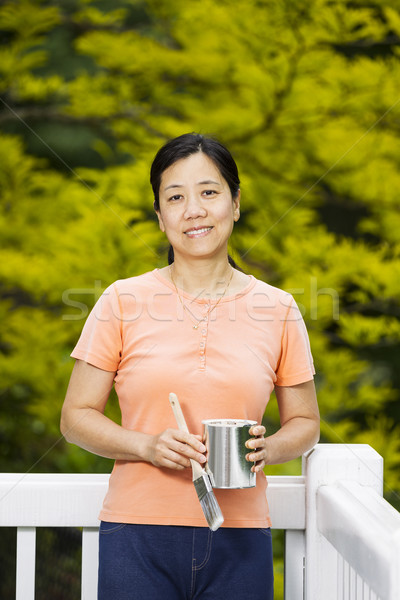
(299, 431)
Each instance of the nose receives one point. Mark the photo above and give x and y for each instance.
(194, 207)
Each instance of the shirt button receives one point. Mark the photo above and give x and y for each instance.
(204, 331)
(202, 344)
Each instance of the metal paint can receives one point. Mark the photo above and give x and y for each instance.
(225, 441)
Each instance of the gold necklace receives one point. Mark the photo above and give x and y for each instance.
(212, 307)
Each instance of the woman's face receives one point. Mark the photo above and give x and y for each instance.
(197, 211)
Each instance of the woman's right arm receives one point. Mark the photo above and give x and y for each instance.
(83, 423)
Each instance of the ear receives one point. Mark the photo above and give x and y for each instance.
(236, 207)
(160, 221)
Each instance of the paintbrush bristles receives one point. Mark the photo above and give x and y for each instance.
(212, 511)
(208, 502)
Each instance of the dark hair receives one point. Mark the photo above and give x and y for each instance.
(184, 146)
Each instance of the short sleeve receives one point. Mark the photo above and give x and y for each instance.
(100, 343)
(296, 363)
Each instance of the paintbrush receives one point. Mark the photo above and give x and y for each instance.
(201, 480)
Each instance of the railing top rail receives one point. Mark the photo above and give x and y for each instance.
(57, 478)
(74, 500)
(51, 500)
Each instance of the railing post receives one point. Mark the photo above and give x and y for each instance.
(325, 465)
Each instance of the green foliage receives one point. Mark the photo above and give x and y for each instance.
(304, 94)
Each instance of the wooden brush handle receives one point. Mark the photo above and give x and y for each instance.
(176, 407)
(180, 419)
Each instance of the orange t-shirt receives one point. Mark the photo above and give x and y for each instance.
(226, 368)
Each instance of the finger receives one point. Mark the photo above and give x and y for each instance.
(257, 430)
(171, 460)
(258, 466)
(184, 444)
(188, 452)
(255, 443)
(255, 456)
(191, 440)
(174, 460)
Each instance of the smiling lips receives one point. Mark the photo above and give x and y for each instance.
(197, 232)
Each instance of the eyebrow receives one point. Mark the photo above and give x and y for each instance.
(180, 185)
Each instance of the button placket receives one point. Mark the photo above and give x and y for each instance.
(202, 345)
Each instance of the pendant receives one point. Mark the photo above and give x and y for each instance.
(195, 326)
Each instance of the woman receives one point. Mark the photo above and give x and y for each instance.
(221, 340)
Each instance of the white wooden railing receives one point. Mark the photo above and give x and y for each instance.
(342, 538)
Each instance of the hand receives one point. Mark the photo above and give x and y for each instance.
(259, 444)
(173, 448)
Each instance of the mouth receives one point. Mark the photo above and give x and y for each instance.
(197, 231)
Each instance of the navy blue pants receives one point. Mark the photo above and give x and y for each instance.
(161, 562)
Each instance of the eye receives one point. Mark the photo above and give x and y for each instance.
(175, 197)
(209, 193)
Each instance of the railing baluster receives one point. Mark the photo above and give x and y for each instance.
(26, 555)
(346, 579)
(352, 584)
(340, 577)
(359, 587)
(90, 551)
(367, 592)
(294, 564)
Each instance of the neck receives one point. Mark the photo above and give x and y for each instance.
(201, 278)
